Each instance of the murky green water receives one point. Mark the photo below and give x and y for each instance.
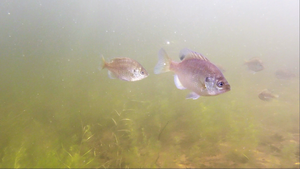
(59, 110)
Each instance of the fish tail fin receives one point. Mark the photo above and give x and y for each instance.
(103, 63)
(163, 64)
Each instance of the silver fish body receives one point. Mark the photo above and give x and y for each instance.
(195, 72)
(124, 68)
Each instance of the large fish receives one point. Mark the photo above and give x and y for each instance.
(195, 72)
(124, 68)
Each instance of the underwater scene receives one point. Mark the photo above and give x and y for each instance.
(149, 84)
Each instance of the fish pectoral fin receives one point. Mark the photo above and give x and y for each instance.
(193, 96)
(203, 89)
(178, 83)
(111, 75)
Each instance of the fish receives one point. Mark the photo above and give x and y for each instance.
(284, 74)
(124, 68)
(266, 95)
(255, 64)
(194, 72)
(221, 68)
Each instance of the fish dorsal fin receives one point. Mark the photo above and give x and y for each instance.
(189, 54)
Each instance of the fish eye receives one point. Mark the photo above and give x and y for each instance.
(142, 72)
(220, 84)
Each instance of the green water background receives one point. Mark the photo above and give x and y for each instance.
(58, 110)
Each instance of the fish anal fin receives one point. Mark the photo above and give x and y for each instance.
(111, 75)
(178, 83)
(193, 96)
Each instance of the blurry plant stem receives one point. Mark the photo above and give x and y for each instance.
(245, 156)
(83, 133)
(106, 163)
(18, 154)
(138, 101)
(162, 130)
(119, 114)
(85, 129)
(68, 154)
(114, 121)
(117, 143)
(157, 160)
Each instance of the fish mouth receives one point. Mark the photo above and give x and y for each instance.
(225, 89)
(228, 88)
(146, 75)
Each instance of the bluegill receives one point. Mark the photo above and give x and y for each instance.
(124, 68)
(284, 74)
(255, 64)
(266, 95)
(195, 72)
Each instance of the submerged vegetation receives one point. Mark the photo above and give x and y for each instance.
(57, 110)
(146, 133)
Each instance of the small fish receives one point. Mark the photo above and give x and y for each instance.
(195, 72)
(124, 68)
(255, 64)
(266, 95)
(284, 74)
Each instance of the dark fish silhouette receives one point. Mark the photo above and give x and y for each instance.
(255, 64)
(266, 95)
(195, 72)
(125, 69)
(284, 74)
